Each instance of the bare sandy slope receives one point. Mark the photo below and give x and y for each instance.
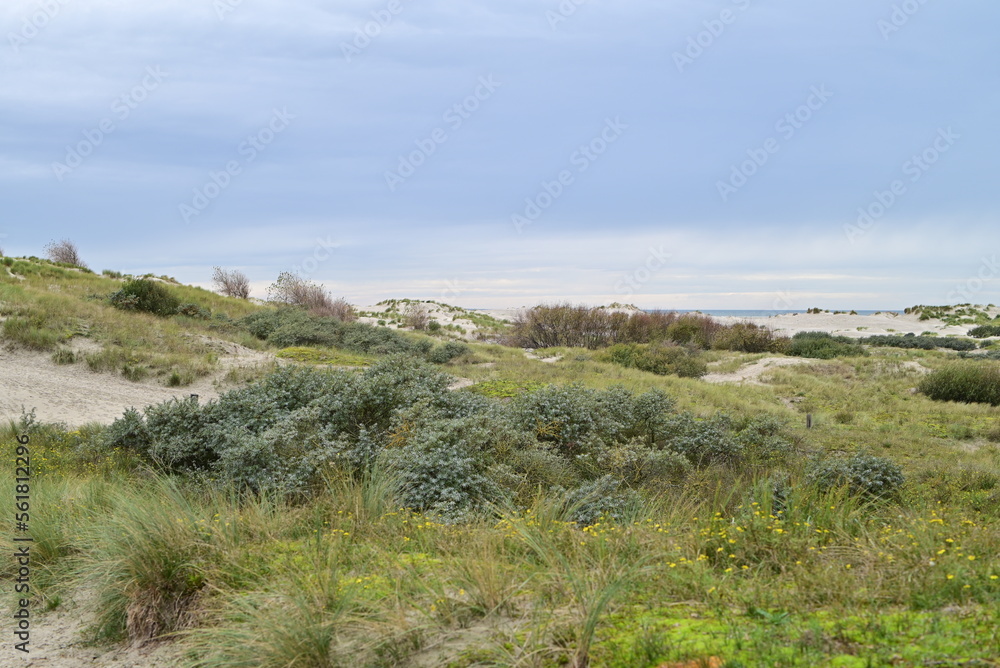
(751, 373)
(75, 395)
(856, 326)
(57, 641)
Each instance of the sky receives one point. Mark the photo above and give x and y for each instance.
(724, 154)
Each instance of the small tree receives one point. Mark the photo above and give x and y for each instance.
(416, 316)
(231, 282)
(64, 251)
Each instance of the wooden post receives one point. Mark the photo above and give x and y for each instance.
(809, 421)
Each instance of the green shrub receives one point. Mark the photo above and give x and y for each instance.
(864, 474)
(194, 311)
(967, 381)
(146, 296)
(128, 432)
(919, 342)
(289, 327)
(447, 352)
(443, 468)
(748, 338)
(762, 439)
(984, 331)
(661, 358)
(703, 442)
(823, 345)
(601, 499)
(637, 463)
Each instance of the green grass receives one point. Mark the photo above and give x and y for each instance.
(330, 356)
(718, 565)
(46, 305)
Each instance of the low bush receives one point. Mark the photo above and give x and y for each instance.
(966, 381)
(919, 342)
(559, 325)
(749, 338)
(662, 359)
(145, 295)
(865, 475)
(194, 311)
(984, 331)
(447, 352)
(823, 345)
(453, 454)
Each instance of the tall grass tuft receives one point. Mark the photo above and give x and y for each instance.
(149, 561)
(968, 382)
(299, 622)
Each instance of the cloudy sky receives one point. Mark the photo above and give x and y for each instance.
(750, 154)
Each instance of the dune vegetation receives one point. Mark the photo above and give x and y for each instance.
(599, 507)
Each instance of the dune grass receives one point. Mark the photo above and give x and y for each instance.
(48, 306)
(721, 566)
(729, 568)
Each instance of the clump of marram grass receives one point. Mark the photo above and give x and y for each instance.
(966, 381)
(149, 562)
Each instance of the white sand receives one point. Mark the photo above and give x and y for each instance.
(57, 641)
(751, 373)
(855, 326)
(75, 395)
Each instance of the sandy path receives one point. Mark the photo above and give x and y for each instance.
(75, 395)
(751, 373)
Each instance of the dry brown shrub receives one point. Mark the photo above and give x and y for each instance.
(231, 282)
(66, 252)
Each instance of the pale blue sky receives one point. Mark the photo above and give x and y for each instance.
(424, 159)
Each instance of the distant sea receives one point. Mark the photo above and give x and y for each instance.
(768, 314)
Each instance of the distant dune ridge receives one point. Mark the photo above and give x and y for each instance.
(73, 395)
